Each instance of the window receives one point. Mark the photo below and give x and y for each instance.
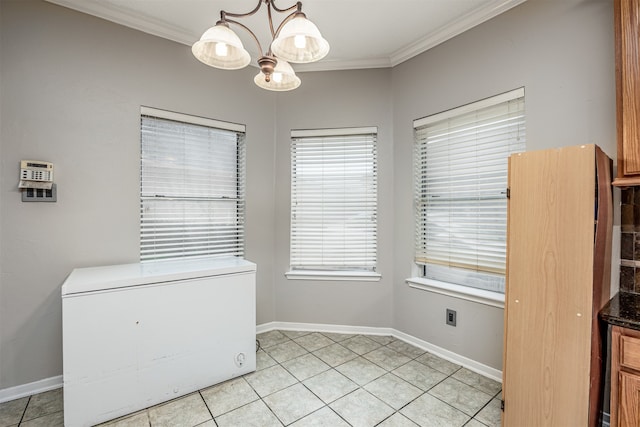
(334, 200)
(461, 159)
(191, 186)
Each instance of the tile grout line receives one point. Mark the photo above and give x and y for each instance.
(325, 405)
(422, 394)
(380, 345)
(451, 375)
(261, 398)
(24, 412)
(331, 368)
(386, 371)
(484, 406)
(206, 406)
(271, 410)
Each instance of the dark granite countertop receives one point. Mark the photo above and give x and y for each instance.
(623, 310)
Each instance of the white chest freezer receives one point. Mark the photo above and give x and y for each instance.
(136, 335)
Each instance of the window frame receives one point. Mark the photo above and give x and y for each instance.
(336, 274)
(160, 196)
(434, 283)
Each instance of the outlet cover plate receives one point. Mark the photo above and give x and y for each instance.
(40, 195)
(452, 317)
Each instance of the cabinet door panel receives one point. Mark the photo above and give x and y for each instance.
(630, 352)
(629, 405)
(549, 288)
(627, 35)
(630, 70)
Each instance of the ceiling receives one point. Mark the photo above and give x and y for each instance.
(362, 33)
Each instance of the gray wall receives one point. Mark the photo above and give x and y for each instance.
(72, 86)
(333, 100)
(562, 53)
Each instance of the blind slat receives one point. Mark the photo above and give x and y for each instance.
(191, 189)
(333, 201)
(460, 169)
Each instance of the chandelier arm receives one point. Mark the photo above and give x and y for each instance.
(297, 6)
(270, 3)
(270, 23)
(249, 31)
(242, 15)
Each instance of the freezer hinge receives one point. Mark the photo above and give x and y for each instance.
(502, 405)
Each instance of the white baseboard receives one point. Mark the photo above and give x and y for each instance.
(458, 359)
(463, 361)
(320, 327)
(47, 384)
(35, 387)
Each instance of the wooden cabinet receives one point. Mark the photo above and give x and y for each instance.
(558, 273)
(627, 40)
(625, 377)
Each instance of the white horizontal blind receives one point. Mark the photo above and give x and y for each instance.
(191, 189)
(461, 171)
(334, 200)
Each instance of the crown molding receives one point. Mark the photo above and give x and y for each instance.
(132, 19)
(334, 65)
(166, 30)
(453, 29)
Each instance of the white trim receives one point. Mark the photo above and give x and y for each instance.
(458, 359)
(452, 29)
(344, 64)
(463, 361)
(493, 299)
(306, 133)
(196, 120)
(468, 108)
(362, 276)
(29, 389)
(160, 28)
(132, 19)
(321, 327)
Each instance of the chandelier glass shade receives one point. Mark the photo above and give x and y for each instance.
(300, 41)
(296, 40)
(220, 47)
(282, 78)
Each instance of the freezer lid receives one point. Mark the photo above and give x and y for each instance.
(91, 279)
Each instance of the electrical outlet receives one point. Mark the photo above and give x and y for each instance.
(451, 317)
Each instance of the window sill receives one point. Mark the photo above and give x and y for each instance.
(361, 276)
(493, 299)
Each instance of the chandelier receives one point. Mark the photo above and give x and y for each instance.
(295, 40)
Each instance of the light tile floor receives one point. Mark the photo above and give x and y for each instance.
(306, 379)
